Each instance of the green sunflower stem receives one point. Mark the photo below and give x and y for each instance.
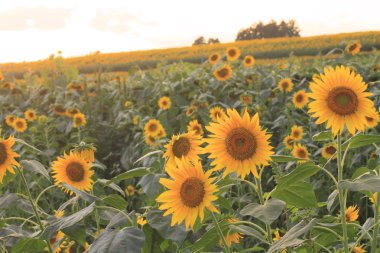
(376, 227)
(33, 204)
(226, 248)
(342, 195)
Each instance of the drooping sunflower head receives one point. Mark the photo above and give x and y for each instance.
(195, 127)
(20, 125)
(164, 103)
(152, 128)
(300, 99)
(248, 61)
(352, 213)
(70, 112)
(217, 113)
(73, 170)
(329, 151)
(10, 119)
(75, 86)
(223, 73)
(184, 146)
(238, 144)
(296, 133)
(189, 111)
(59, 110)
(300, 151)
(289, 142)
(7, 157)
(231, 237)
(79, 120)
(246, 99)
(285, 85)
(87, 152)
(189, 193)
(353, 48)
(232, 53)
(214, 58)
(372, 119)
(340, 100)
(30, 115)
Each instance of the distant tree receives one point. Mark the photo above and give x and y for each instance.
(213, 41)
(270, 30)
(199, 41)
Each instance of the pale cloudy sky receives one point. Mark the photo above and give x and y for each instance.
(32, 30)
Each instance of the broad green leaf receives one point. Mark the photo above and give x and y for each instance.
(111, 185)
(300, 173)
(138, 172)
(210, 239)
(267, 213)
(26, 245)
(76, 232)
(246, 230)
(361, 140)
(84, 195)
(366, 182)
(36, 167)
(284, 158)
(115, 201)
(150, 184)
(323, 136)
(360, 171)
(298, 194)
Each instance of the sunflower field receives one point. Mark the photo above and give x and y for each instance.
(222, 156)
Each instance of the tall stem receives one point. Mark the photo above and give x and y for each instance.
(376, 227)
(342, 196)
(33, 206)
(227, 249)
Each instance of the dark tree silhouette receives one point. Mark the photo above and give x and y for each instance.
(199, 41)
(213, 41)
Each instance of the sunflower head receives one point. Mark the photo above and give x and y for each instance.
(79, 120)
(340, 100)
(7, 157)
(352, 213)
(10, 119)
(152, 128)
(372, 119)
(353, 48)
(232, 53)
(217, 113)
(195, 127)
(301, 152)
(164, 103)
(75, 86)
(70, 112)
(151, 141)
(289, 142)
(136, 120)
(128, 104)
(276, 235)
(248, 61)
(189, 193)
(214, 58)
(141, 221)
(238, 144)
(20, 125)
(130, 190)
(359, 249)
(300, 99)
(296, 132)
(30, 115)
(329, 151)
(73, 170)
(285, 85)
(59, 110)
(223, 73)
(246, 99)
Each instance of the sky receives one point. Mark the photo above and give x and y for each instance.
(33, 30)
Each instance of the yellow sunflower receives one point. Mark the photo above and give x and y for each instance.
(30, 115)
(7, 157)
(353, 48)
(248, 61)
(195, 127)
(57, 243)
(130, 191)
(70, 112)
(300, 99)
(141, 221)
(285, 85)
(372, 119)
(340, 100)
(301, 152)
(329, 151)
(59, 110)
(164, 103)
(184, 146)
(352, 213)
(223, 73)
(359, 249)
(189, 193)
(296, 133)
(232, 53)
(238, 144)
(79, 120)
(217, 113)
(73, 170)
(20, 125)
(88, 154)
(10, 119)
(289, 142)
(152, 128)
(128, 104)
(136, 120)
(189, 111)
(214, 58)
(151, 141)
(231, 237)
(246, 99)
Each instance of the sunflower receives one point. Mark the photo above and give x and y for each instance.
(7, 157)
(189, 193)
(289, 142)
(285, 85)
(246, 99)
(164, 103)
(151, 141)
(59, 110)
(276, 236)
(20, 125)
(223, 73)
(152, 128)
(214, 58)
(231, 237)
(141, 221)
(232, 53)
(30, 115)
(300, 99)
(70, 112)
(217, 113)
(373, 119)
(75, 87)
(352, 213)
(195, 127)
(189, 111)
(248, 61)
(130, 190)
(340, 100)
(136, 120)
(128, 104)
(353, 48)
(184, 146)
(57, 243)
(296, 133)
(73, 170)
(238, 144)
(42, 119)
(328, 151)
(88, 154)
(301, 152)
(359, 249)
(10, 119)
(79, 120)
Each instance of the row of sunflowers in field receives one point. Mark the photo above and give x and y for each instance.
(224, 156)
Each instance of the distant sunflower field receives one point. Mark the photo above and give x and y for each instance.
(223, 156)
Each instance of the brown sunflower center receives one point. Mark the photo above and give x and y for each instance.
(296, 133)
(342, 101)
(152, 127)
(78, 120)
(223, 72)
(192, 192)
(3, 153)
(232, 52)
(214, 57)
(330, 150)
(290, 141)
(299, 98)
(241, 144)
(31, 114)
(164, 102)
(285, 85)
(248, 60)
(75, 172)
(197, 129)
(301, 153)
(181, 147)
(19, 124)
(352, 47)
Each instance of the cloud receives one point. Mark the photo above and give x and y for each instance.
(116, 22)
(42, 18)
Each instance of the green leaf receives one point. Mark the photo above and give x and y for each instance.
(246, 230)
(111, 185)
(138, 172)
(367, 182)
(302, 172)
(26, 245)
(298, 194)
(267, 213)
(76, 233)
(147, 155)
(210, 238)
(361, 140)
(284, 158)
(115, 201)
(150, 184)
(331, 199)
(360, 171)
(36, 167)
(323, 136)
(82, 194)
